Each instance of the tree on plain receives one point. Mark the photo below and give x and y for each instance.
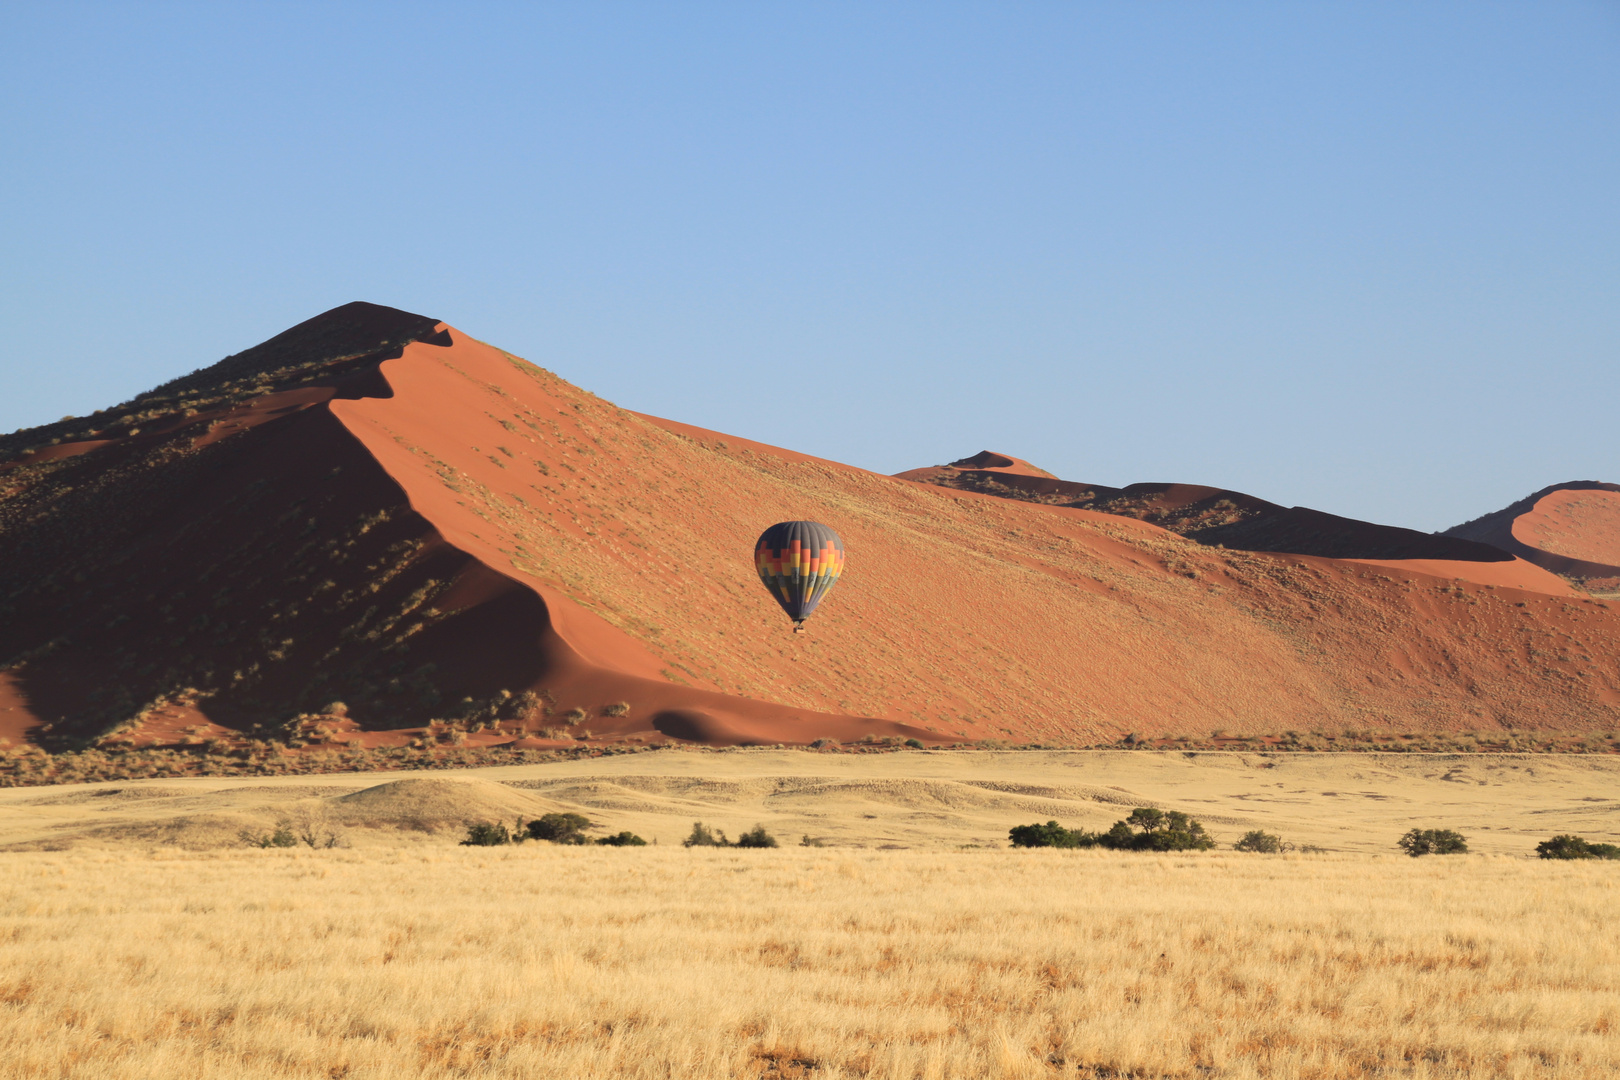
(1433, 842)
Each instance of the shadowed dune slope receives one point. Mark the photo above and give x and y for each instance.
(400, 525)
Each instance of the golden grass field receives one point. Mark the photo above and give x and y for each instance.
(135, 949)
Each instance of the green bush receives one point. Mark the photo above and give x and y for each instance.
(282, 837)
(1147, 829)
(1160, 830)
(1573, 847)
(915, 744)
(1049, 835)
(756, 837)
(1433, 842)
(560, 828)
(1260, 842)
(702, 836)
(486, 834)
(623, 839)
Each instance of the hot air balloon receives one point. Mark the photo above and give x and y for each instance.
(799, 562)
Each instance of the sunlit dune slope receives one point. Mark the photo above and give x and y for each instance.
(425, 528)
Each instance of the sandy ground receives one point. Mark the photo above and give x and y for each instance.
(1504, 804)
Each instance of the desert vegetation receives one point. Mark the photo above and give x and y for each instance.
(1418, 842)
(581, 961)
(1146, 829)
(757, 837)
(311, 830)
(487, 834)
(1566, 846)
(558, 828)
(561, 828)
(1260, 842)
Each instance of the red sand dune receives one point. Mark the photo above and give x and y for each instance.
(1571, 529)
(992, 462)
(376, 510)
(1583, 525)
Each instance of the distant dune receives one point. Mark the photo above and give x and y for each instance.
(1571, 529)
(1215, 516)
(374, 530)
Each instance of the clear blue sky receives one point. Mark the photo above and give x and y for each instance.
(1362, 257)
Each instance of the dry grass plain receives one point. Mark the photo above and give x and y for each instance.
(133, 945)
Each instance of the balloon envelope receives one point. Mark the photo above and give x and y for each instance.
(799, 562)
